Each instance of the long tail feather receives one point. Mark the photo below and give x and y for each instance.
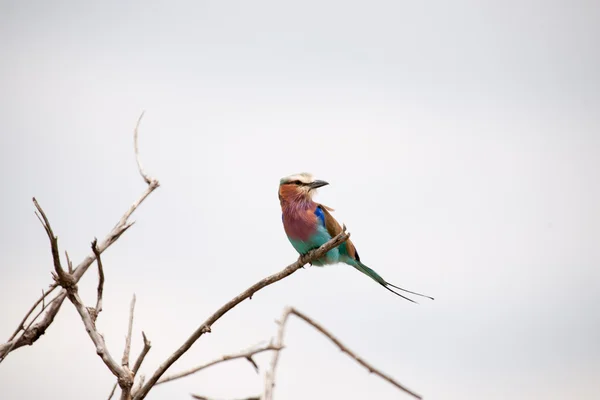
(377, 278)
(408, 291)
(398, 294)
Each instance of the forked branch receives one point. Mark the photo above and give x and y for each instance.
(228, 357)
(96, 311)
(270, 376)
(35, 331)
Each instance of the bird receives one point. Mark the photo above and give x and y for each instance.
(308, 225)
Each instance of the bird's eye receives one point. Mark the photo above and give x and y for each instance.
(297, 183)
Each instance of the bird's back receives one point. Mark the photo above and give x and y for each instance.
(334, 228)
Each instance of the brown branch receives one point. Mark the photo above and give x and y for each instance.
(291, 311)
(98, 308)
(205, 327)
(245, 354)
(37, 330)
(145, 350)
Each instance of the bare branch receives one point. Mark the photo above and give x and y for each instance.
(145, 176)
(12, 341)
(40, 300)
(97, 339)
(145, 350)
(126, 388)
(270, 375)
(245, 354)
(44, 305)
(125, 393)
(69, 263)
(98, 308)
(291, 311)
(139, 384)
(62, 278)
(253, 363)
(124, 377)
(127, 350)
(112, 392)
(33, 334)
(205, 327)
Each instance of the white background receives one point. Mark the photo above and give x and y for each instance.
(461, 141)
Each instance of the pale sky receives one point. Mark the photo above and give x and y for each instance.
(461, 141)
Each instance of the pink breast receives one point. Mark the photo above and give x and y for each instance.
(298, 226)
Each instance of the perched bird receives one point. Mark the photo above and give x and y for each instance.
(309, 225)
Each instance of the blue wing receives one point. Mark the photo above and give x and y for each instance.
(320, 215)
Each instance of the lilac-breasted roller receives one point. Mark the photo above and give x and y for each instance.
(309, 225)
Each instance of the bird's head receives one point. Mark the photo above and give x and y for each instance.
(299, 186)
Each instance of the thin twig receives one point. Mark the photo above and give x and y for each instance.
(61, 277)
(33, 333)
(112, 392)
(12, 341)
(139, 384)
(245, 354)
(98, 308)
(145, 350)
(44, 305)
(291, 311)
(40, 300)
(145, 176)
(126, 390)
(127, 350)
(270, 375)
(69, 263)
(205, 327)
(37, 330)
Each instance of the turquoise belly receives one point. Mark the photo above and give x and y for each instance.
(315, 241)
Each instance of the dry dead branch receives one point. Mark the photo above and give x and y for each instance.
(145, 350)
(244, 354)
(127, 350)
(205, 327)
(35, 331)
(96, 311)
(270, 376)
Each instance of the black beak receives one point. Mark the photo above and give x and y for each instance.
(317, 184)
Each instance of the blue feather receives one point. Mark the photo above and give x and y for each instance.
(320, 214)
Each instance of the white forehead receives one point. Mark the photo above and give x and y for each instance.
(303, 177)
